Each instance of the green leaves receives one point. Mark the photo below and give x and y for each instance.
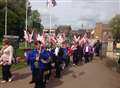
(115, 25)
(36, 21)
(15, 16)
(35, 15)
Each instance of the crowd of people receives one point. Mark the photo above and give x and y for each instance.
(44, 60)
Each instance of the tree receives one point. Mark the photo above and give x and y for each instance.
(16, 17)
(115, 25)
(36, 21)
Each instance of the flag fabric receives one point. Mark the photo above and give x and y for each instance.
(25, 35)
(75, 39)
(52, 39)
(28, 36)
(60, 38)
(74, 46)
(83, 40)
(38, 37)
(43, 39)
(35, 36)
(51, 3)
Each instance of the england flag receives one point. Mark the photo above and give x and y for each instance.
(28, 36)
(76, 39)
(51, 3)
(52, 39)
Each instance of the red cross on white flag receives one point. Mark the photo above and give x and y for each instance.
(51, 3)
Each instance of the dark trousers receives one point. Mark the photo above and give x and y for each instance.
(58, 68)
(86, 56)
(75, 59)
(58, 71)
(67, 61)
(42, 75)
(6, 74)
(80, 57)
(47, 76)
(97, 51)
(91, 56)
(33, 75)
(47, 72)
(39, 79)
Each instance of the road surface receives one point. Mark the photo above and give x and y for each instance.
(95, 74)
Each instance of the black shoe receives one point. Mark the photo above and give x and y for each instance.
(31, 82)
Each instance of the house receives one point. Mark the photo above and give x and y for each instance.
(102, 31)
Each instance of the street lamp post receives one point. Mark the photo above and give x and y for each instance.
(6, 10)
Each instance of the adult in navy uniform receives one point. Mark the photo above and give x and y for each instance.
(58, 62)
(98, 47)
(32, 57)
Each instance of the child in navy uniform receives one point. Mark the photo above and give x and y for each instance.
(87, 50)
(43, 70)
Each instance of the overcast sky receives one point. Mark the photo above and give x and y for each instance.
(77, 12)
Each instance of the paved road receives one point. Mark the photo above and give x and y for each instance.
(92, 75)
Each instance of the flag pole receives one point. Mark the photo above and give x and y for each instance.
(26, 21)
(6, 10)
(50, 20)
(26, 15)
(50, 4)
